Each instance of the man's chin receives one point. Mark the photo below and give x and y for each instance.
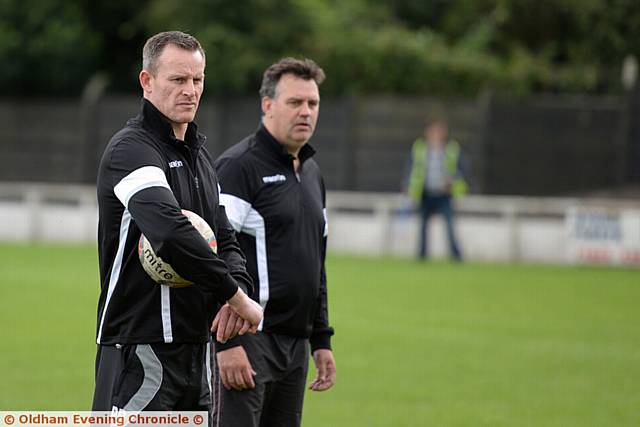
(301, 137)
(184, 118)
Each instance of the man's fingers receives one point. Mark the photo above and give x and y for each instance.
(245, 327)
(318, 385)
(214, 325)
(222, 325)
(225, 381)
(322, 372)
(248, 378)
(238, 380)
(230, 330)
(239, 325)
(323, 386)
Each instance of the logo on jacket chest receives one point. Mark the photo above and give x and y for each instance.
(175, 164)
(274, 178)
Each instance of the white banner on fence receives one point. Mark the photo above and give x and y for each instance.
(603, 236)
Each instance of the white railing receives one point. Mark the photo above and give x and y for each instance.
(489, 227)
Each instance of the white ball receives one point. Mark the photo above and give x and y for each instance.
(160, 271)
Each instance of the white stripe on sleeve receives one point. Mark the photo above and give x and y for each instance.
(326, 222)
(139, 179)
(115, 268)
(254, 226)
(245, 219)
(237, 210)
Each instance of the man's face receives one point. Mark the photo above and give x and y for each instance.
(176, 86)
(436, 133)
(292, 114)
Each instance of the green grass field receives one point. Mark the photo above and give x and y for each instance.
(432, 344)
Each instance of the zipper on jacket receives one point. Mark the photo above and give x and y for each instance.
(193, 165)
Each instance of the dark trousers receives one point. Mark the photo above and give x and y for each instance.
(281, 363)
(153, 377)
(431, 204)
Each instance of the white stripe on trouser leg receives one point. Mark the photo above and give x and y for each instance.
(216, 398)
(151, 382)
(208, 365)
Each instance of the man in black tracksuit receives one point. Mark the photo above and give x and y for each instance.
(152, 339)
(274, 196)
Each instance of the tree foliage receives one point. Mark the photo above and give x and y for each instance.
(443, 47)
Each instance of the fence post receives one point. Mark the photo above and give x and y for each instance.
(351, 146)
(481, 147)
(33, 201)
(90, 125)
(633, 134)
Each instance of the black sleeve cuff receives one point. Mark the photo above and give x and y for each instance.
(228, 288)
(321, 341)
(233, 342)
(241, 281)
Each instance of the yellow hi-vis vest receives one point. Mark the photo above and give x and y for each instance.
(418, 169)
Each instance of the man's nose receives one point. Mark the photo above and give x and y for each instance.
(305, 110)
(189, 88)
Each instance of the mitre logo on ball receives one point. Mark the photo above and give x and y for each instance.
(160, 271)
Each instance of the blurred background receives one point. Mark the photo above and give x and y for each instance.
(541, 95)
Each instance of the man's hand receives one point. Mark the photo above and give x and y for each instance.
(228, 324)
(247, 309)
(235, 369)
(325, 370)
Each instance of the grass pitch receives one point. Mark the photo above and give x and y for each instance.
(431, 344)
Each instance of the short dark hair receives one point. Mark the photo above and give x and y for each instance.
(155, 45)
(436, 117)
(305, 69)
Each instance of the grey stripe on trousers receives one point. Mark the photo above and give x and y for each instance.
(152, 379)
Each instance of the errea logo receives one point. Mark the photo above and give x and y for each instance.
(175, 164)
(273, 178)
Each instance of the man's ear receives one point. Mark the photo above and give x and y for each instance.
(145, 80)
(266, 105)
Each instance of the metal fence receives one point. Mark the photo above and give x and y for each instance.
(536, 146)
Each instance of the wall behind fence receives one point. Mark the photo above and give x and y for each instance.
(535, 146)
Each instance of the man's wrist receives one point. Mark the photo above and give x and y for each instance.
(237, 298)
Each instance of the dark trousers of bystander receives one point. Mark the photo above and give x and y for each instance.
(432, 204)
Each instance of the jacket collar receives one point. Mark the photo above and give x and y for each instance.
(154, 121)
(278, 150)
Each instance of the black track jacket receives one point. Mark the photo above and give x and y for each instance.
(281, 221)
(146, 177)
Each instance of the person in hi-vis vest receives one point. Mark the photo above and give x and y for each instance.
(436, 176)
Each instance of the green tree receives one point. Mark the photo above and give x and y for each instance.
(442, 47)
(46, 47)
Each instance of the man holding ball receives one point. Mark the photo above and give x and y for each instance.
(152, 338)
